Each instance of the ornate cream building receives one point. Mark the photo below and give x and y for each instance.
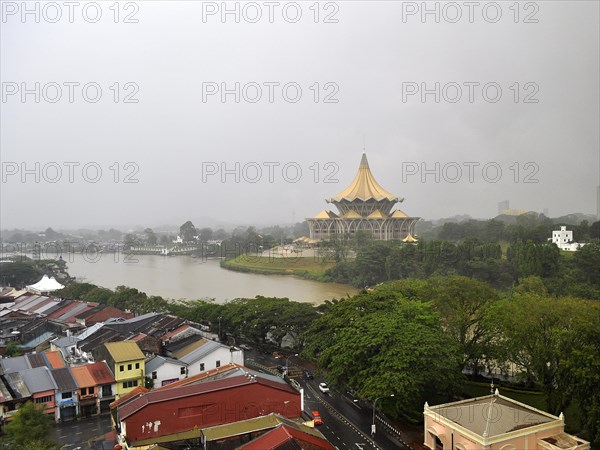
(364, 206)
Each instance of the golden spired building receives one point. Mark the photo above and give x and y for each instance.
(364, 206)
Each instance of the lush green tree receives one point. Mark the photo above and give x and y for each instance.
(463, 304)
(30, 428)
(253, 319)
(537, 333)
(12, 349)
(18, 274)
(381, 343)
(587, 264)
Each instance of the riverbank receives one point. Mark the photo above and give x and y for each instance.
(303, 267)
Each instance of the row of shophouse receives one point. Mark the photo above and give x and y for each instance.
(65, 392)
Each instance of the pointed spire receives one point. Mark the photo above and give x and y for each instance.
(426, 405)
(364, 187)
(363, 162)
(497, 393)
(562, 417)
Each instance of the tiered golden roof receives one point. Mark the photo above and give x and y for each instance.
(364, 187)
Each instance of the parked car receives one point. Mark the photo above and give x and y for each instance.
(245, 347)
(308, 375)
(324, 388)
(277, 355)
(317, 418)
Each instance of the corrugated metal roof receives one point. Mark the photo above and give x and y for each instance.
(38, 379)
(4, 393)
(18, 385)
(72, 312)
(203, 351)
(100, 338)
(66, 306)
(160, 395)
(283, 435)
(47, 307)
(37, 359)
(89, 331)
(66, 341)
(38, 339)
(158, 361)
(15, 364)
(124, 351)
(63, 379)
(242, 427)
(189, 348)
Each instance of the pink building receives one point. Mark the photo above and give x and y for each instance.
(495, 422)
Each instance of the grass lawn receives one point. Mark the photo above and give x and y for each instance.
(306, 267)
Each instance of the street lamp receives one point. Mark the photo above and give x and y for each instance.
(373, 426)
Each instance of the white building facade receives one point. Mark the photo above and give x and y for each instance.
(563, 239)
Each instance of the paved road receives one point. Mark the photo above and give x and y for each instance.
(345, 424)
(77, 435)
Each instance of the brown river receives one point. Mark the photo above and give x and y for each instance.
(184, 277)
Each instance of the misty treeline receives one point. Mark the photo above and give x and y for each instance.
(188, 233)
(416, 338)
(526, 227)
(563, 273)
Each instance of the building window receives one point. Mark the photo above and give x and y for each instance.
(44, 399)
(218, 364)
(83, 391)
(201, 367)
(128, 366)
(67, 395)
(90, 390)
(137, 365)
(121, 368)
(154, 375)
(107, 390)
(130, 384)
(182, 370)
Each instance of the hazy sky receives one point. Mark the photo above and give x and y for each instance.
(529, 108)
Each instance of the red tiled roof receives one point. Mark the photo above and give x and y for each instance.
(282, 434)
(160, 395)
(107, 312)
(101, 373)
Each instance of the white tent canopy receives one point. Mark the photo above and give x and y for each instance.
(45, 285)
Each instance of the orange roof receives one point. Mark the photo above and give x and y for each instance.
(55, 359)
(82, 376)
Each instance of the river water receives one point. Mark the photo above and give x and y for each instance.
(184, 277)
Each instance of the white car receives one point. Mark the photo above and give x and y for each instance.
(324, 388)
